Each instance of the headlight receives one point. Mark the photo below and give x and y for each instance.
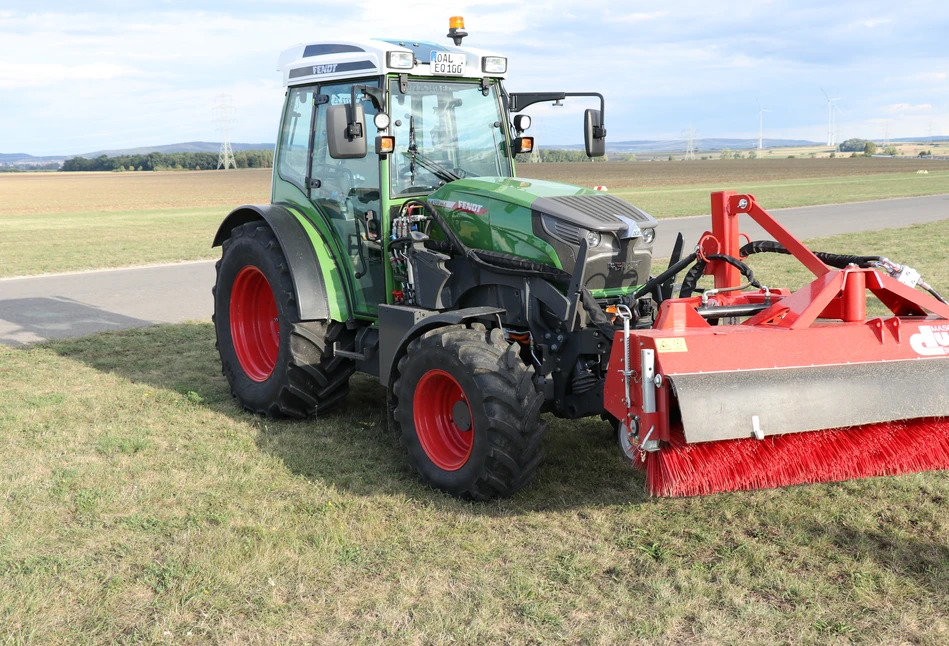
(649, 235)
(401, 60)
(593, 239)
(494, 65)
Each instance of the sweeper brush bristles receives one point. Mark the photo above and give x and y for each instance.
(891, 448)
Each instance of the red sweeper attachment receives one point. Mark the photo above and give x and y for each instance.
(736, 389)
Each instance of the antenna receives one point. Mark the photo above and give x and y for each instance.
(830, 118)
(761, 112)
(224, 114)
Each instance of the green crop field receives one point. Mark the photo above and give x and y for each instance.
(55, 222)
(141, 506)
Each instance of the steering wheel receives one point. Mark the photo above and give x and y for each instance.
(339, 177)
(416, 189)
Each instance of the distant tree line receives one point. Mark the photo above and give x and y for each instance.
(545, 155)
(858, 146)
(20, 168)
(168, 161)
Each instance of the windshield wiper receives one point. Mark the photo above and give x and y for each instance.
(433, 167)
(430, 165)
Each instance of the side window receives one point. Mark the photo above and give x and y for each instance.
(356, 180)
(295, 138)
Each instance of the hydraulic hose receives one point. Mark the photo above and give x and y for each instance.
(516, 266)
(835, 260)
(838, 261)
(650, 284)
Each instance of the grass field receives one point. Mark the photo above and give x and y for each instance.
(53, 222)
(141, 506)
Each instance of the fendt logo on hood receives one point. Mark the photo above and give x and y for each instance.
(931, 341)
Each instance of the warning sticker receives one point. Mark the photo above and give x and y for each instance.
(674, 344)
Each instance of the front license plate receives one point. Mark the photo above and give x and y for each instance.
(448, 64)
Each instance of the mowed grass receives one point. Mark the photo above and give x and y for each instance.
(624, 175)
(670, 189)
(62, 242)
(140, 505)
(54, 222)
(694, 200)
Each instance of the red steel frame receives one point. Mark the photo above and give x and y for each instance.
(823, 323)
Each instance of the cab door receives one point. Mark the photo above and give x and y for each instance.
(347, 193)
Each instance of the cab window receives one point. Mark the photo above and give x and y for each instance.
(295, 136)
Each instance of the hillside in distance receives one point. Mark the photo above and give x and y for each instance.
(185, 147)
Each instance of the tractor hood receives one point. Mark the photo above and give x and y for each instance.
(546, 221)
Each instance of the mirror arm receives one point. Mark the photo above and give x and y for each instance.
(375, 95)
(600, 131)
(520, 100)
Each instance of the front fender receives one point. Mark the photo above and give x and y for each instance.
(400, 324)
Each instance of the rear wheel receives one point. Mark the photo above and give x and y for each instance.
(468, 412)
(275, 363)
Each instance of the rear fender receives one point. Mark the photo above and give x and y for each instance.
(316, 285)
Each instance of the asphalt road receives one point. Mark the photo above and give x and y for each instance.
(57, 306)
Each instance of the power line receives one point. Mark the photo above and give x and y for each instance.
(690, 150)
(224, 114)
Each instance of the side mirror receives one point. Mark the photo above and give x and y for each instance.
(594, 134)
(346, 139)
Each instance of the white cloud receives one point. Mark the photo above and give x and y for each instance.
(28, 75)
(640, 17)
(904, 108)
(873, 22)
(928, 77)
(149, 75)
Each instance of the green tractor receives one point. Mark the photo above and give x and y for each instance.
(399, 243)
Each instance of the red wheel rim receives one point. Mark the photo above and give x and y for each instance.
(255, 326)
(438, 398)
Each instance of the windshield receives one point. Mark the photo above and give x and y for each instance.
(445, 130)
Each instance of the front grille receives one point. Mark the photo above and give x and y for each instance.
(601, 207)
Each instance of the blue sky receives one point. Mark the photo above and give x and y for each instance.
(82, 76)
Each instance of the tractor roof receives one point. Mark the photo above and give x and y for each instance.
(305, 63)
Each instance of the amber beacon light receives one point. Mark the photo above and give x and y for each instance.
(456, 29)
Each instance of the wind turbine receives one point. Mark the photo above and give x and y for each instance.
(830, 117)
(836, 125)
(761, 112)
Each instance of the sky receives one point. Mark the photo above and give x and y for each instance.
(77, 77)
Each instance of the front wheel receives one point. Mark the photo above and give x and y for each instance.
(468, 412)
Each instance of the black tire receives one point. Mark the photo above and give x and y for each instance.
(503, 412)
(305, 380)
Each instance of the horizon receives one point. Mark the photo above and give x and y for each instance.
(745, 143)
(74, 81)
